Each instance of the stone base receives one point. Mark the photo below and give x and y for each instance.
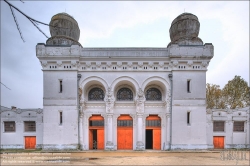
(60, 147)
(12, 146)
(140, 145)
(109, 146)
(188, 146)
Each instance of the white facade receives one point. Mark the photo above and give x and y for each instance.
(16, 139)
(178, 72)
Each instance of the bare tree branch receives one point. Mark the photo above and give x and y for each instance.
(5, 86)
(13, 14)
(35, 24)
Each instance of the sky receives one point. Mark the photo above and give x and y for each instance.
(225, 24)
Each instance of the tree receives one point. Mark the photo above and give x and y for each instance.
(236, 93)
(214, 97)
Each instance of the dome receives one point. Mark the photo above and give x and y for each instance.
(185, 29)
(64, 30)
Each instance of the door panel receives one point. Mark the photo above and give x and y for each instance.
(120, 138)
(30, 142)
(129, 138)
(219, 142)
(125, 138)
(157, 139)
(90, 139)
(100, 139)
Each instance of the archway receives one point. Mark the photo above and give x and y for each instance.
(96, 132)
(153, 132)
(125, 132)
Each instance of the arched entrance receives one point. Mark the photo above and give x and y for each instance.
(125, 132)
(153, 132)
(96, 132)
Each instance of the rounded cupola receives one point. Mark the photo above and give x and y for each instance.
(185, 29)
(64, 30)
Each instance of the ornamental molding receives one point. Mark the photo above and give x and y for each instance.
(109, 100)
(44, 63)
(175, 63)
(59, 63)
(189, 63)
(140, 101)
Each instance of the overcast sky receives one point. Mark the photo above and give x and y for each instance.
(119, 24)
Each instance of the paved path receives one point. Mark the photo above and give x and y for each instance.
(127, 158)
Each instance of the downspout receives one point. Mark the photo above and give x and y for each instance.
(78, 108)
(170, 76)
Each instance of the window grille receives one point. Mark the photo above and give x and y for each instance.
(9, 126)
(96, 94)
(30, 126)
(96, 123)
(238, 126)
(125, 123)
(124, 94)
(153, 123)
(218, 126)
(153, 94)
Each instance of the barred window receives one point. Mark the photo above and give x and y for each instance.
(96, 123)
(124, 94)
(125, 123)
(9, 126)
(218, 125)
(153, 123)
(238, 126)
(30, 126)
(153, 94)
(96, 94)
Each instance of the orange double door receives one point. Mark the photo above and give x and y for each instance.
(124, 132)
(218, 142)
(96, 132)
(30, 142)
(153, 133)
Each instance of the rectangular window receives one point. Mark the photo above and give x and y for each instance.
(153, 123)
(188, 118)
(188, 86)
(60, 81)
(239, 126)
(125, 123)
(60, 118)
(218, 125)
(9, 126)
(30, 126)
(96, 123)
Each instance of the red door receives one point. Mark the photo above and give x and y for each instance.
(157, 139)
(125, 132)
(96, 132)
(100, 139)
(218, 142)
(154, 122)
(30, 142)
(90, 139)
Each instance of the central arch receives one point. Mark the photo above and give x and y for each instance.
(124, 132)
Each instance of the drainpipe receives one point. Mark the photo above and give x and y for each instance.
(78, 108)
(170, 76)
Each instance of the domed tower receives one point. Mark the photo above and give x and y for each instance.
(64, 30)
(185, 29)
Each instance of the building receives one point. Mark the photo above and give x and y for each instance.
(127, 98)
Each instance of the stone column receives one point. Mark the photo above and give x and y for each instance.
(81, 130)
(109, 143)
(167, 146)
(139, 143)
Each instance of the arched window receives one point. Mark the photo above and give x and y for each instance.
(96, 94)
(124, 94)
(153, 94)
